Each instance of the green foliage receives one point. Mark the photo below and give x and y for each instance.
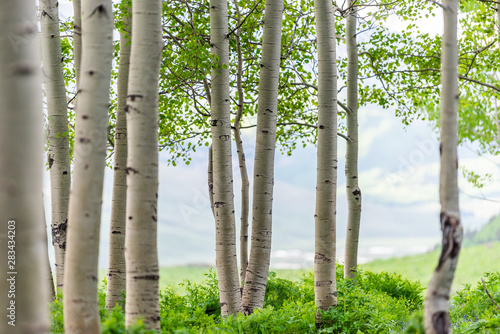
(471, 309)
(368, 305)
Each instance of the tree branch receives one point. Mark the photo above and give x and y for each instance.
(491, 298)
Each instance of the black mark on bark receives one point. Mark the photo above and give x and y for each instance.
(451, 244)
(148, 277)
(51, 162)
(116, 232)
(441, 322)
(318, 257)
(128, 170)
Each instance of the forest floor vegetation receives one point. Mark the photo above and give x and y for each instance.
(373, 303)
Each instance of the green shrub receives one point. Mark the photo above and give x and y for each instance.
(471, 309)
(373, 303)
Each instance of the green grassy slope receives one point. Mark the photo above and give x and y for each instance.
(473, 262)
(175, 275)
(490, 232)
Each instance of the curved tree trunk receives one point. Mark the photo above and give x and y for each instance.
(59, 159)
(116, 270)
(81, 309)
(351, 165)
(225, 249)
(245, 183)
(77, 39)
(24, 290)
(141, 252)
(325, 289)
(260, 251)
(436, 309)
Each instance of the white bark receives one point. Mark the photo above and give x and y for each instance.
(141, 253)
(245, 183)
(77, 39)
(260, 251)
(225, 237)
(81, 312)
(325, 288)
(210, 173)
(59, 159)
(116, 269)
(351, 167)
(23, 247)
(436, 309)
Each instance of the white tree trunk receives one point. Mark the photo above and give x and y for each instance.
(436, 309)
(210, 173)
(77, 38)
(260, 250)
(141, 253)
(351, 165)
(50, 278)
(245, 183)
(59, 159)
(116, 269)
(325, 289)
(225, 231)
(24, 290)
(81, 311)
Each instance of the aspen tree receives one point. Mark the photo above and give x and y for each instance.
(77, 38)
(59, 159)
(260, 249)
(116, 269)
(223, 197)
(325, 289)
(81, 309)
(436, 308)
(141, 252)
(245, 183)
(351, 165)
(24, 290)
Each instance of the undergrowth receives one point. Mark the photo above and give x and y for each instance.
(373, 303)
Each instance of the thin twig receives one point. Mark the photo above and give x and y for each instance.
(491, 298)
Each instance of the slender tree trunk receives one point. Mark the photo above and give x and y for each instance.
(24, 290)
(141, 251)
(227, 265)
(77, 38)
(52, 291)
(325, 289)
(436, 309)
(260, 251)
(116, 270)
(81, 309)
(59, 159)
(245, 183)
(211, 178)
(351, 165)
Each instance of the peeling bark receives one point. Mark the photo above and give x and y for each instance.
(81, 309)
(141, 251)
(436, 308)
(225, 248)
(116, 269)
(260, 250)
(22, 234)
(351, 165)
